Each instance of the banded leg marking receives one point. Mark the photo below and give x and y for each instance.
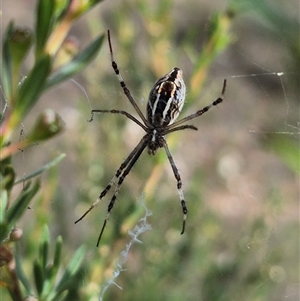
(179, 185)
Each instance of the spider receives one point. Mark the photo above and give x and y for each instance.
(165, 103)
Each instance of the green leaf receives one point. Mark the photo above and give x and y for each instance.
(17, 209)
(62, 296)
(21, 275)
(286, 148)
(77, 64)
(32, 86)
(70, 271)
(3, 204)
(52, 269)
(21, 203)
(219, 38)
(7, 63)
(38, 277)
(45, 11)
(57, 255)
(42, 169)
(91, 3)
(44, 248)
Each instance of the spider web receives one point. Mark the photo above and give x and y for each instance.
(274, 115)
(260, 245)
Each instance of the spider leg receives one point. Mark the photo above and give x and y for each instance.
(180, 128)
(202, 111)
(118, 112)
(122, 83)
(179, 184)
(125, 163)
(139, 149)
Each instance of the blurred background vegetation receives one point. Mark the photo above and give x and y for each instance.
(240, 171)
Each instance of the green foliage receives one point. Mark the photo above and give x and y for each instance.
(286, 148)
(236, 240)
(49, 284)
(44, 23)
(77, 64)
(16, 210)
(21, 95)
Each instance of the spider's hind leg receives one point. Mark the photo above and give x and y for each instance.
(179, 184)
(131, 160)
(125, 164)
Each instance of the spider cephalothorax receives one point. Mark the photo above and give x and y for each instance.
(165, 103)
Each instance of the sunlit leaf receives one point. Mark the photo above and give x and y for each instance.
(45, 11)
(21, 203)
(33, 85)
(7, 63)
(42, 169)
(71, 269)
(77, 64)
(38, 276)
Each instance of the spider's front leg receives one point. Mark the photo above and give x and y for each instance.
(122, 82)
(200, 112)
(113, 111)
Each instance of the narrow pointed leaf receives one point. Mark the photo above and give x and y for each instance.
(53, 269)
(286, 148)
(77, 64)
(3, 204)
(33, 85)
(38, 277)
(91, 3)
(7, 63)
(62, 296)
(21, 275)
(71, 269)
(21, 203)
(45, 11)
(44, 248)
(42, 169)
(57, 255)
